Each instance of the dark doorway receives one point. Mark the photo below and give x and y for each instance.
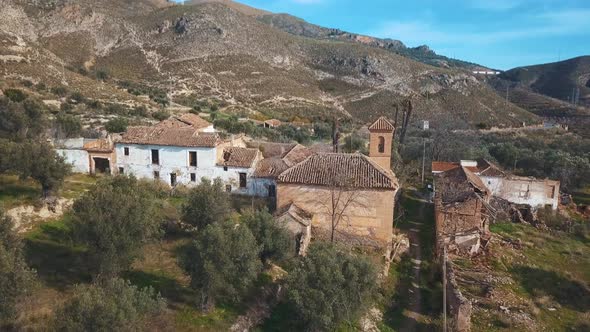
(155, 157)
(102, 165)
(243, 180)
(173, 179)
(272, 191)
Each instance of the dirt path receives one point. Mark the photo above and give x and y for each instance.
(414, 309)
(414, 313)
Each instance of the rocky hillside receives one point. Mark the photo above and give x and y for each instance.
(299, 27)
(567, 80)
(225, 51)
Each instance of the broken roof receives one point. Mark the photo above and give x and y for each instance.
(238, 157)
(282, 157)
(383, 125)
(484, 168)
(458, 184)
(270, 168)
(99, 145)
(341, 170)
(168, 136)
(185, 120)
(272, 149)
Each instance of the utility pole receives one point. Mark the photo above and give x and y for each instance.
(423, 158)
(444, 267)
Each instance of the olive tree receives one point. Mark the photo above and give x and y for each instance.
(16, 279)
(207, 203)
(114, 220)
(275, 242)
(222, 262)
(111, 305)
(330, 286)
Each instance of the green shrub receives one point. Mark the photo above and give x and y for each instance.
(161, 115)
(102, 74)
(117, 125)
(60, 91)
(15, 95)
(112, 305)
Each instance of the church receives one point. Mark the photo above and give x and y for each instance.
(345, 196)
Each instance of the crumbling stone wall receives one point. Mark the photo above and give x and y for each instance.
(460, 224)
(459, 307)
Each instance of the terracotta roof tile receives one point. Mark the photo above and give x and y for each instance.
(382, 124)
(238, 157)
(272, 149)
(270, 168)
(185, 136)
(443, 166)
(340, 169)
(297, 154)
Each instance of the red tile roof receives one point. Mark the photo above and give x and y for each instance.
(184, 136)
(270, 168)
(297, 154)
(443, 166)
(342, 170)
(383, 125)
(238, 157)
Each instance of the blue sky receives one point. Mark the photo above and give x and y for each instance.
(497, 33)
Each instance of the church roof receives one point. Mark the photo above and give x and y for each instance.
(340, 170)
(382, 124)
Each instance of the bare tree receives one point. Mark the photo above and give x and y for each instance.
(343, 195)
(406, 116)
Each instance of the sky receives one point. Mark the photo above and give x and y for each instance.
(500, 34)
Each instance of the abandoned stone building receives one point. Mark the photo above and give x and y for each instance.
(353, 190)
(462, 210)
(514, 189)
(88, 155)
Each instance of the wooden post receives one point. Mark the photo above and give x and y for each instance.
(444, 287)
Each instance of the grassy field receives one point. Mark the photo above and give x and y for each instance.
(60, 265)
(582, 196)
(540, 278)
(15, 192)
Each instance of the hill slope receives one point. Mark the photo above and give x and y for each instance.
(222, 50)
(560, 80)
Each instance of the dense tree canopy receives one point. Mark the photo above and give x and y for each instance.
(114, 220)
(223, 263)
(111, 305)
(22, 120)
(330, 286)
(37, 160)
(275, 242)
(207, 203)
(16, 279)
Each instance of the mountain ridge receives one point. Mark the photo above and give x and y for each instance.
(212, 50)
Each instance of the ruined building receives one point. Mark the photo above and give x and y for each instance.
(462, 210)
(514, 189)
